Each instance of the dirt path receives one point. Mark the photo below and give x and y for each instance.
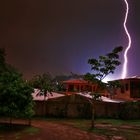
(56, 131)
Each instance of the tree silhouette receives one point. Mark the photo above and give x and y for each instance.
(15, 93)
(101, 68)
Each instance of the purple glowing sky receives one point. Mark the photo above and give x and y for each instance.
(59, 36)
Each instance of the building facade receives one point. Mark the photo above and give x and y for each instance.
(129, 89)
(75, 86)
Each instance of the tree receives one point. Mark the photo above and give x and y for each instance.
(105, 65)
(15, 93)
(102, 67)
(43, 82)
(58, 80)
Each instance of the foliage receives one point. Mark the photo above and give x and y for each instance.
(112, 86)
(46, 83)
(58, 80)
(43, 82)
(105, 65)
(59, 86)
(15, 93)
(102, 67)
(95, 96)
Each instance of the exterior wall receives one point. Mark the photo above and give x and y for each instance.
(74, 86)
(135, 89)
(124, 91)
(130, 89)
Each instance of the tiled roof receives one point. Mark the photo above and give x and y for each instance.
(49, 96)
(76, 81)
(104, 99)
(129, 78)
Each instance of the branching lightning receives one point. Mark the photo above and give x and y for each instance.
(124, 72)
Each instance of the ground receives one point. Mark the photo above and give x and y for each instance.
(59, 129)
(46, 130)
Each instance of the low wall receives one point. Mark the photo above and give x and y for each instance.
(76, 106)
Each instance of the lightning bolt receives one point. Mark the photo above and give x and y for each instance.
(124, 72)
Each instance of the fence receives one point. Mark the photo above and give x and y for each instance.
(76, 106)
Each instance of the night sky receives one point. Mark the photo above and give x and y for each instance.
(59, 36)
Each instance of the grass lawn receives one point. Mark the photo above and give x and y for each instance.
(16, 131)
(130, 130)
(106, 127)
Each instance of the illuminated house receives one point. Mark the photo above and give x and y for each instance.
(129, 90)
(75, 86)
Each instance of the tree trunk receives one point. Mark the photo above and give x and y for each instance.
(44, 108)
(92, 112)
